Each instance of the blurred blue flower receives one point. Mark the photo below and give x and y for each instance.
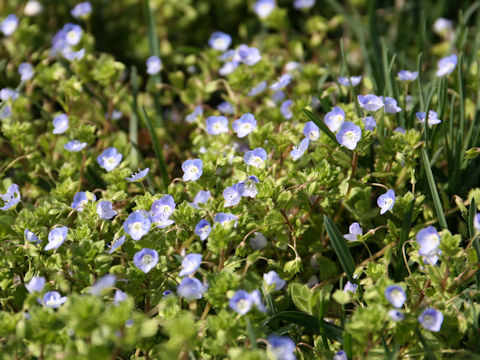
(431, 319)
(395, 295)
(154, 65)
(370, 123)
(5, 112)
(432, 118)
(31, 237)
(191, 288)
(53, 299)
(165, 206)
(26, 71)
(194, 115)
(226, 108)
(286, 109)
(72, 55)
(255, 157)
(271, 278)
(220, 41)
(217, 125)
(11, 197)
(247, 55)
(7, 94)
(303, 4)
(82, 10)
(245, 125)
(202, 229)
(105, 210)
(116, 244)
(311, 131)
(370, 102)
(259, 88)
(335, 118)
(281, 83)
(446, 65)
(400, 130)
(349, 135)
(192, 169)
(345, 81)
(190, 264)
(139, 175)
(80, 199)
(137, 224)
(281, 347)
(73, 34)
(278, 96)
(299, 150)
(390, 105)
(386, 201)
(432, 257)
(241, 302)
(56, 237)
(109, 159)
(228, 68)
(60, 124)
(340, 355)
(119, 297)
(476, 222)
(355, 232)
(9, 25)
(106, 282)
(406, 75)
(350, 287)
(428, 239)
(263, 8)
(258, 241)
(35, 284)
(201, 198)
(75, 146)
(248, 187)
(222, 218)
(396, 315)
(145, 259)
(232, 195)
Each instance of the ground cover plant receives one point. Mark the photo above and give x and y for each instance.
(198, 179)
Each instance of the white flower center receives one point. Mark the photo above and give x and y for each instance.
(110, 161)
(428, 320)
(193, 169)
(136, 227)
(243, 305)
(147, 259)
(349, 136)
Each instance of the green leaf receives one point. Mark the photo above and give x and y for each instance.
(311, 116)
(301, 296)
(406, 225)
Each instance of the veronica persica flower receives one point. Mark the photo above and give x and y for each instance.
(255, 157)
(26, 71)
(349, 135)
(396, 315)
(31, 237)
(109, 159)
(248, 187)
(82, 10)
(223, 218)
(106, 282)
(355, 232)
(154, 65)
(263, 8)
(190, 264)
(241, 302)
(192, 169)
(442, 26)
(75, 146)
(406, 75)
(5, 112)
(116, 244)
(7, 94)
(71, 55)
(244, 125)
(228, 68)
(56, 237)
(340, 355)
(303, 4)
(258, 241)
(247, 55)
(311, 131)
(139, 175)
(79, 200)
(60, 124)
(350, 287)
(395, 295)
(190, 118)
(278, 96)
(226, 108)
(431, 319)
(386, 201)
(299, 150)
(73, 34)
(390, 105)
(145, 259)
(217, 125)
(11, 197)
(400, 130)
(220, 41)
(35, 284)
(201, 198)
(119, 297)
(258, 89)
(232, 195)
(370, 102)
(53, 299)
(354, 80)
(428, 239)
(202, 229)
(281, 83)
(286, 109)
(166, 206)
(432, 118)
(281, 347)
(105, 210)
(370, 123)
(446, 65)
(137, 224)
(191, 288)
(271, 278)
(476, 222)
(32, 8)
(335, 118)
(9, 25)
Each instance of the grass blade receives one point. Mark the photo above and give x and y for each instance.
(406, 225)
(340, 247)
(133, 123)
(311, 116)
(433, 189)
(471, 216)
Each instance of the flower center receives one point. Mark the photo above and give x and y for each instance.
(428, 320)
(147, 259)
(349, 136)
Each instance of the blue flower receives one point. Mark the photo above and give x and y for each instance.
(476, 222)
(145, 259)
(255, 157)
(56, 237)
(299, 150)
(191, 288)
(5, 112)
(370, 102)
(281, 347)
(81, 10)
(272, 279)
(340, 355)
(350, 287)
(203, 229)
(116, 244)
(75, 145)
(190, 118)
(72, 55)
(228, 68)
(119, 297)
(258, 241)
(226, 108)
(446, 65)
(241, 302)
(248, 187)
(349, 135)
(355, 232)
(395, 295)
(258, 89)
(247, 55)
(244, 125)
(7, 94)
(278, 96)
(80, 199)
(400, 130)
(232, 195)
(220, 41)
(109, 159)
(31, 237)
(370, 123)
(201, 198)
(335, 118)
(137, 224)
(303, 4)
(53, 299)
(263, 8)
(386, 201)
(26, 71)
(390, 105)
(190, 264)
(406, 75)
(432, 118)
(72, 34)
(9, 25)
(35, 284)
(106, 282)
(154, 65)
(60, 124)
(116, 115)
(311, 131)
(192, 169)
(139, 175)
(286, 110)
(166, 205)
(223, 218)
(431, 319)
(217, 125)
(355, 80)
(396, 315)
(105, 210)
(281, 83)
(428, 239)
(11, 197)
